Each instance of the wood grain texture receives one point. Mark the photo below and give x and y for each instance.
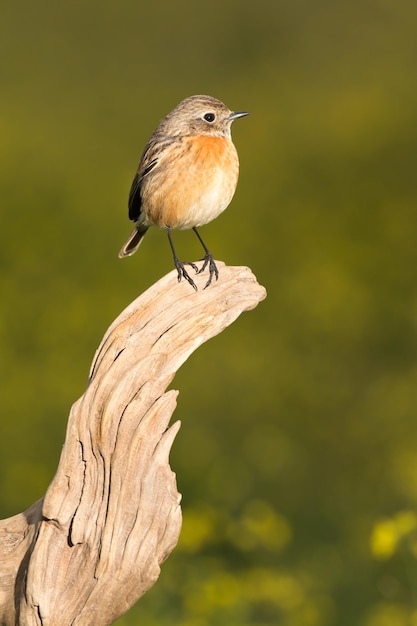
(86, 552)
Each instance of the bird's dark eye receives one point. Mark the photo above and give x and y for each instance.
(209, 117)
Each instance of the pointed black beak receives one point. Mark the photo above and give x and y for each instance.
(236, 114)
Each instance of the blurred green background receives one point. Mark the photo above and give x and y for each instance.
(297, 457)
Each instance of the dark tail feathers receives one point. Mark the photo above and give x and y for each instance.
(134, 241)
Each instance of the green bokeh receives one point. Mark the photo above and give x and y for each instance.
(297, 458)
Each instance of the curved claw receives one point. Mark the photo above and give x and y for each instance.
(213, 271)
(182, 272)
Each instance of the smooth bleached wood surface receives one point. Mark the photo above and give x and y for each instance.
(86, 552)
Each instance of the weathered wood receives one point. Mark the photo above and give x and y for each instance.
(86, 552)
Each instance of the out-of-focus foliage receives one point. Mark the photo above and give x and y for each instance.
(297, 458)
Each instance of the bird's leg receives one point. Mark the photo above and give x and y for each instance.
(182, 272)
(208, 260)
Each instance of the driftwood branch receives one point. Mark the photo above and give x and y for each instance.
(86, 552)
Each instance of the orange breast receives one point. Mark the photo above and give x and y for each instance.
(195, 183)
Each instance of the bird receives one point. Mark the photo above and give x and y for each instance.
(186, 177)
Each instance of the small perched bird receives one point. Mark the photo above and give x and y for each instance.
(186, 177)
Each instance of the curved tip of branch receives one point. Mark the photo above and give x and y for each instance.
(168, 304)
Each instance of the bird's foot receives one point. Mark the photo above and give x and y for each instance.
(182, 272)
(213, 271)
